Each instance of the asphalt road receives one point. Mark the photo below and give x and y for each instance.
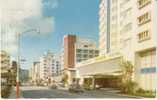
(44, 92)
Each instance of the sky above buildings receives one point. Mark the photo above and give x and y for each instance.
(54, 18)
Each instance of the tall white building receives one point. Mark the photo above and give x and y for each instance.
(46, 66)
(50, 67)
(35, 72)
(132, 33)
(146, 44)
(56, 63)
(127, 29)
(108, 26)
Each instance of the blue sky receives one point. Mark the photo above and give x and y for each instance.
(78, 17)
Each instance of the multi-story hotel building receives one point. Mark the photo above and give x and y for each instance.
(127, 30)
(76, 50)
(84, 50)
(46, 67)
(56, 69)
(146, 44)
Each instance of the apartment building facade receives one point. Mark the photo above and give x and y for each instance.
(146, 44)
(46, 67)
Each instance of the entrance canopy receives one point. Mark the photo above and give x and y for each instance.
(104, 67)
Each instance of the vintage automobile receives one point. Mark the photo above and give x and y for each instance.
(75, 88)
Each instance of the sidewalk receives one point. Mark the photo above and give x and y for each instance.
(13, 93)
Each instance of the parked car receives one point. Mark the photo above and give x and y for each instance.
(53, 86)
(75, 88)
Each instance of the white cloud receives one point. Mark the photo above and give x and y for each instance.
(19, 15)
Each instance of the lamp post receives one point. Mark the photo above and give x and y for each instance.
(18, 61)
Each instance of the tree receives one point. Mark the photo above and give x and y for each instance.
(127, 85)
(127, 70)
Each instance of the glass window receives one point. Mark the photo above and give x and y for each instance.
(144, 18)
(78, 55)
(91, 51)
(79, 50)
(85, 51)
(144, 35)
(143, 3)
(85, 56)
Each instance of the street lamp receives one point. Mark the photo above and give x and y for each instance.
(18, 59)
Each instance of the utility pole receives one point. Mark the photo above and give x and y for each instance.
(18, 67)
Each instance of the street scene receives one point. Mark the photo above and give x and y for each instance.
(78, 49)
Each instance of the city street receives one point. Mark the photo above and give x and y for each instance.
(44, 92)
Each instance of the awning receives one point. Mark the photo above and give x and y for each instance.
(106, 67)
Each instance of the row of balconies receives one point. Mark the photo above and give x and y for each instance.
(142, 20)
(143, 3)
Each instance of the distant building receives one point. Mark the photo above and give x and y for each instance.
(56, 75)
(5, 66)
(77, 49)
(13, 70)
(46, 67)
(5, 61)
(24, 75)
(85, 49)
(36, 72)
(69, 51)
(56, 69)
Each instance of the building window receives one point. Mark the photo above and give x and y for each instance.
(85, 51)
(85, 56)
(79, 50)
(85, 45)
(96, 51)
(91, 51)
(145, 35)
(91, 56)
(144, 18)
(143, 3)
(79, 60)
(79, 55)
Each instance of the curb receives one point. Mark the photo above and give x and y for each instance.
(132, 96)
